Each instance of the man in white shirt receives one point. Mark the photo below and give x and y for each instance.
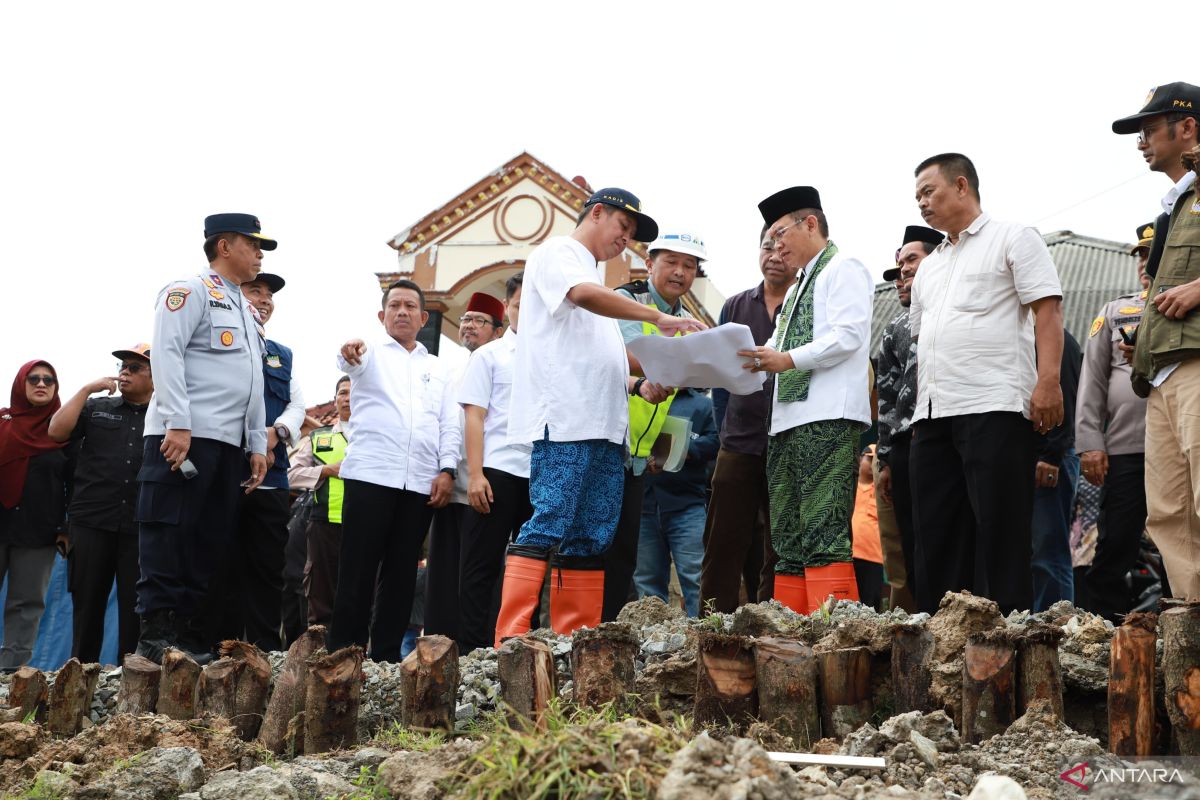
(975, 304)
(398, 468)
(570, 387)
(820, 402)
(1165, 368)
(497, 478)
(482, 322)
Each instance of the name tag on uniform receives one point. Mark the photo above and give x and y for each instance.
(106, 415)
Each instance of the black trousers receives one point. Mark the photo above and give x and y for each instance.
(97, 558)
(902, 503)
(184, 525)
(972, 486)
(294, 607)
(245, 600)
(321, 569)
(620, 560)
(1120, 525)
(382, 532)
(441, 571)
(484, 538)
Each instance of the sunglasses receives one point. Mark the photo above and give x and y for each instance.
(45, 380)
(132, 367)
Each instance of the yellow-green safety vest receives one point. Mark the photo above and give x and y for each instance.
(646, 420)
(329, 447)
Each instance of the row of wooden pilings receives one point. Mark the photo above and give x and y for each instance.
(739, 679)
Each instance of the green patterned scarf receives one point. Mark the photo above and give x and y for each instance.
(793, 383)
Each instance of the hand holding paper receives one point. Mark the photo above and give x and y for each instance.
(708, 359)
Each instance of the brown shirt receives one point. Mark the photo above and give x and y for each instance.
(743, 418)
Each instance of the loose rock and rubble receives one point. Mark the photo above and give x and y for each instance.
(145, 757)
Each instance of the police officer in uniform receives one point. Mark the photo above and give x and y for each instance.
(205, 420)
(246, 599)
(316, 467)
(1110, 434)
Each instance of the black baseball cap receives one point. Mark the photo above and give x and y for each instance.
(245, 224)
(1179, 97)
(647, 228)
(273, 282)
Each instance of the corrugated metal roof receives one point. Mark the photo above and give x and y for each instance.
(1093, 271)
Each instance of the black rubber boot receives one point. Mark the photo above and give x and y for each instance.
(157, 634)
(190, 638)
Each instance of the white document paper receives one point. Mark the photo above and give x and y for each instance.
(704, 360)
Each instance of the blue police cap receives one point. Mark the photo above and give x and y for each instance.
(245, 224)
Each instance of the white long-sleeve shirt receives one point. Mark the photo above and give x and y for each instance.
(839, 352)
(405, 419)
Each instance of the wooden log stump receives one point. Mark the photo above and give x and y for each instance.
(1180, 625)
(602, 660)
(429, 684)
(989, 685)
(71, 697)
(333, 689)
(1131, 686)
(785, 673)
(250, 689)
(845, 690)
(1038, 670)
(912, 648)
(177, 688)
(30, 692)
(140, 679)
(725, 680)
(528, 680)
(216, 691)
(287, 699)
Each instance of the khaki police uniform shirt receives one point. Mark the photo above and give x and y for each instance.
(207, 355)
(1108, 415)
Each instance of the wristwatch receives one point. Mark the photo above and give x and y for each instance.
(282, 432)
(637, 387)
(451, 471)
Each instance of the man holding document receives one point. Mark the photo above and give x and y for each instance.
(820, 402)
(570, 393)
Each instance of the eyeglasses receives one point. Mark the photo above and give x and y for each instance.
(465, 319)
(1144, 134)
(45, 380)
(772, 241)
(132, 367)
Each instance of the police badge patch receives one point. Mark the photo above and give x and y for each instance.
(176, 298)
(214, 294)
(227, 338)
(1097, 324)
(273, 362)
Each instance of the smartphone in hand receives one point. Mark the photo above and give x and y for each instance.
(1130, 337)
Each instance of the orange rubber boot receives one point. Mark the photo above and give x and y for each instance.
(524, 571)
(576, 593)
(835, 579)
(792, 591)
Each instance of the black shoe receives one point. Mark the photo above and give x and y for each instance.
(157, 634)
(190, 638)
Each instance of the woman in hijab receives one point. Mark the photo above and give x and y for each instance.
(32, 506)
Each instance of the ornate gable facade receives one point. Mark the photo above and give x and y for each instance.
(479, 239)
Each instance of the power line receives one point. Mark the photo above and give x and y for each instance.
(1090, 198)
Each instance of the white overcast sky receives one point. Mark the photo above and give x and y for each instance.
(340, 124)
